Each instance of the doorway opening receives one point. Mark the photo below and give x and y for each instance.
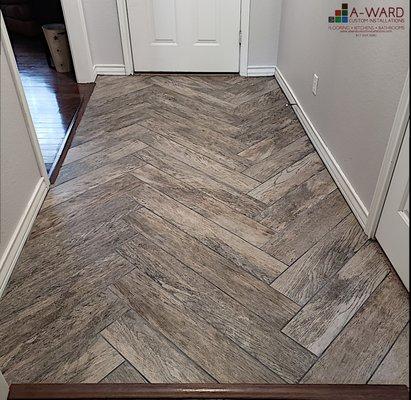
(54, 97)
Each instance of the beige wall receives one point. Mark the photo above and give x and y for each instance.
(103, 31)
(359, 88)
(265, 18)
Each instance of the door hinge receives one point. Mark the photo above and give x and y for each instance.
(240, 37)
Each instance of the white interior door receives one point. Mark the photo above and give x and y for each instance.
(185, 35)
(393, 228)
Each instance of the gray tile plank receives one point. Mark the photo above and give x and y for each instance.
(64, 336)
(272, 165)
(394, 369)
(358, 350)
(91, 365)
(321, 320)
(307, 228)
(288, 179)
(151, 353)
(250, 332)
(258, 297)
(212, 168)
(318, 266)
(220, 357)
(98, 159)
(297, 201)
(237, 250)
(235, 199)
(214, 210)
(124, 373)
(66, 191)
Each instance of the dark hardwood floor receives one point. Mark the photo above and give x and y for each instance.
(54, 98)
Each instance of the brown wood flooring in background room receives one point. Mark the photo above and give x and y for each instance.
(53, 97)
(194, 235)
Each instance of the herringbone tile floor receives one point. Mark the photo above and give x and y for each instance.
(194, 235)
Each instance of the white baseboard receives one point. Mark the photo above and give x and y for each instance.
(109, 69)
(267, 70)
(13, 250)
(350, 195)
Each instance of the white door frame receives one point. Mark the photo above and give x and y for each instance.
(126, 39)
(8, 51)
(390, 158)
(79, 43)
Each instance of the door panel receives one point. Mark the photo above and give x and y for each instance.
(393, 228)
(185, 35)
(163, 22)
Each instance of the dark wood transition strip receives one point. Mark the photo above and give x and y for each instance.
(206, 391)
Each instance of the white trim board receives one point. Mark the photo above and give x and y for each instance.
(245, 36)
(21, 233)
(79, 42)
(390, 158)
(122, 11)
(350, 195)
(268, 70)
(109, 69)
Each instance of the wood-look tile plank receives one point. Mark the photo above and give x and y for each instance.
(187, 124)
(97, 160)
(288, 179)
(318, 266)
(230, 246)
(297, 201)
(304, 231)
(207, 206)
(394, 369)
(273, 101)
(322, 318)
(125, 373)
(81, 206)
(212, 168)
(199, 143)
(359, 349)
(66, 191)
(91, 365)
(151, 353)
(272, 165)
(255, 295)
(65, 335)
(267, 124)
(187, 109)
(237, 200)
(99, 144)
(80, 246)
(243, 327)
(220, 357)
(57, 285)
(271, 145)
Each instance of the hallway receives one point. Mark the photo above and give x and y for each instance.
(194, 235)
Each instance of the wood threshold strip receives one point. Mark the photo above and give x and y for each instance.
(206, 391)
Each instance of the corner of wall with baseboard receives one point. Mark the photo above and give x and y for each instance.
(109, 69)
(9, 258)
(341, 180)
(266, 70)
